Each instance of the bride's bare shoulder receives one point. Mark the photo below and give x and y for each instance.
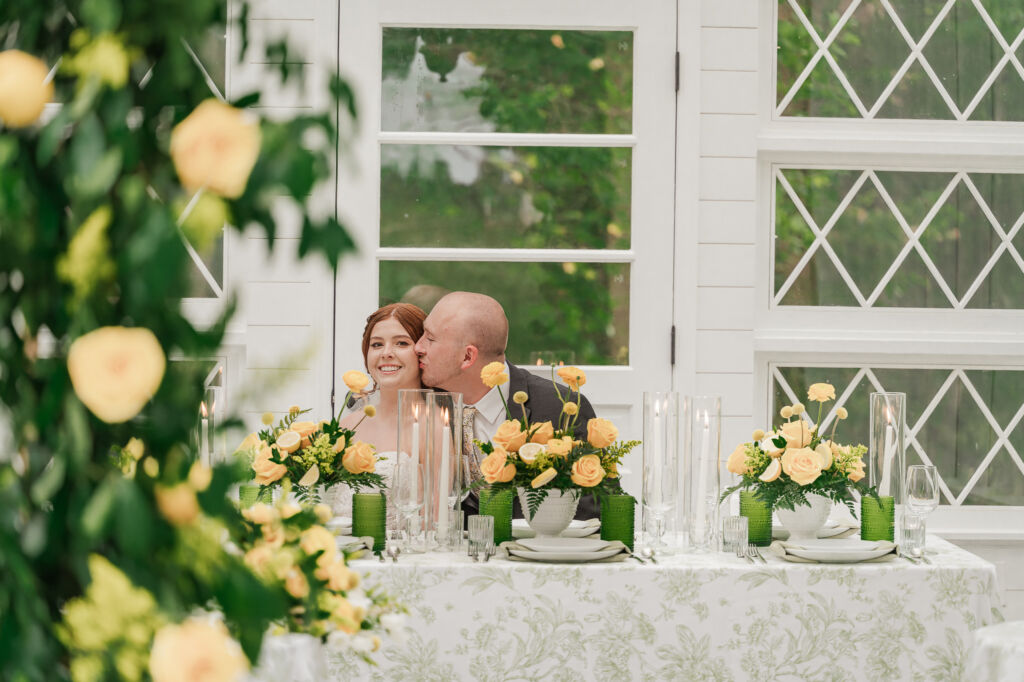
(349, 421)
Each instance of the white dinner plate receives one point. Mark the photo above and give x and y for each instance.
(569, 557)
(576, 529)
(345, 540)
(572, 545)
(840, 551)
(830, 529)
(339, 523)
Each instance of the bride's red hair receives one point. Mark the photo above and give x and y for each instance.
(408, 315)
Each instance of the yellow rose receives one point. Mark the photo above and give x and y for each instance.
(358, 458)
(290, 509)
(803, 465)
(355, 380)
(510, 436)
(496, 468)
(796, 433)
(601, 433)
(825, 453)
(737, 462)
(571, 409)
(23, 90)
(258, 559)
(116, 370)
(261, 513)
(821, 393)
(520, 397)
(493, 374)
(304, 429)
(338, 576)
(559, 446)
(296, 584)
(267, 471)
(273, 534)
(216, 147)
(574, 377)
(544, 477)
(196, 651)
(318, 539)
(587, 471)
(542, 433)
(249, 443)
(177, 504)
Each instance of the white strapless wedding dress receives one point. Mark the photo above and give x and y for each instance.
(339, 497)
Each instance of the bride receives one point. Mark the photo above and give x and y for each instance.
(389, 341)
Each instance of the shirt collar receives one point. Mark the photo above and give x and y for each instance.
(491, 406)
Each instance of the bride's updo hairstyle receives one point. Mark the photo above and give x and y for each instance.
(409, 316)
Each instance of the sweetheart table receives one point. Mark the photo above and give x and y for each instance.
(689, 617)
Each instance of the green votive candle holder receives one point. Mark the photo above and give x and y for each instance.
(877, 518)
(759, 518)
(498, 503)
(618, 517)
(369, 518)
(249, 494)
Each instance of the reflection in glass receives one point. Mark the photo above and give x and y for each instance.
(582, 306)
(507, 80)
(500, 197)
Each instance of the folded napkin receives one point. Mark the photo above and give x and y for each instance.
(623, 554)
(781, 548)
(357, 547)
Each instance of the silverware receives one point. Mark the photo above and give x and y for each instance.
(915, 561)
(393, 552)
(752, 554)
(488, 553)
(648, 553)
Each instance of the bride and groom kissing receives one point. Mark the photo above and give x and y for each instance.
(403, 347)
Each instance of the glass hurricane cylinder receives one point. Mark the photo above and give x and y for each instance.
(759, 518)
(660, 492)
(408, 492)
(702, 440)
(369, 518)
(442, 473)
(618, 514)
(887, 466)
(498, 503)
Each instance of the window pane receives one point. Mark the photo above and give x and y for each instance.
(213, 262)
(580, 309)
(494, 80)
(956, 435)
(869, 51)
(960, 220)
(500, 197)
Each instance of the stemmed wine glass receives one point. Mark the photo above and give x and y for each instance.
(922, 499)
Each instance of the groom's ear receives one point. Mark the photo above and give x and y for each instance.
(469, 356)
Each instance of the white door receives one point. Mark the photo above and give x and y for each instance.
(525, 151)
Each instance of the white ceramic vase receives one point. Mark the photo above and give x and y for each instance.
(290, 657)
(554, 514)
(804, 522)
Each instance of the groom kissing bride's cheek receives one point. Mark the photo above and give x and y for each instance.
(464, 333)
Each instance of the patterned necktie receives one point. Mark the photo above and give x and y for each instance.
(471, 453)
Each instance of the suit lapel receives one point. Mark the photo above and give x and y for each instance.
(517, 382)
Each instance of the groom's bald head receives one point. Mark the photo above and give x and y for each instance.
(477, 320)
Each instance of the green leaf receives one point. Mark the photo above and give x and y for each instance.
(134, 520)
(49, 482)
(101, 178)
(97, 509)
(101, 15)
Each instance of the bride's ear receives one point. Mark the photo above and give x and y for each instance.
(469, 356)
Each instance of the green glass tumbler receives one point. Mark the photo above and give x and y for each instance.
(759, 518)
(498, 503)
(249, 494)
(369, 518)
(877, 518)
(618, 515)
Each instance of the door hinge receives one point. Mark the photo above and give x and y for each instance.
(677, 72)
(672, 346)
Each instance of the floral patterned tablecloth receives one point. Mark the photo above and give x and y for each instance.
(691, 617)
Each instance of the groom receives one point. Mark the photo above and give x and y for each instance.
(462, 334)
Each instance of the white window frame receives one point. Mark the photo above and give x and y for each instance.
(904, 337)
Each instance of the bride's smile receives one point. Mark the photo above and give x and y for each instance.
(391, 357)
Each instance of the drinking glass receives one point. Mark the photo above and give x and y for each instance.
(660, 462)
(734, 534)
(481, 533)
(410, 494)
(922, 499)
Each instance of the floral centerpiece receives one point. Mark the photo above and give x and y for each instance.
(541, 458)
(785, 466)
(287, 546)
(305, 454)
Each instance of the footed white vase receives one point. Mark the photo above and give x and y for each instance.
(554, 514)
(290, 657)
(804, 522)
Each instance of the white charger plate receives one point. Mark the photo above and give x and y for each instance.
(576, 529)
(565, 557)
(848, 550)
(571, 545)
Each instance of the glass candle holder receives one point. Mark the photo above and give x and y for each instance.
(369, 518)
(618, 515)
(498, 503)
(408, 491)
(759, 518)
(702, 444)
(877, 518)
(660, 492)
(887, 465)
(443, 473)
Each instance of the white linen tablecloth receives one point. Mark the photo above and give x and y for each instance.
(690, 617)
(997, 653)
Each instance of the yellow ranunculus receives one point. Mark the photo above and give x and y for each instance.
(493, 374)
(601, 433)
(542, 432)
(177, 503)
(559, 446)
(543, 478)
(23, 88)
(304, 429)
(803, 465)
(116, 370)
(796, 433)
(587, 471)
(216, 147)
(821, 393)
(355, 380)
(496, 468)
(574, 377)
(358, 458)
(198, 650)
(737, 462)
(510, 436)
(267, 471)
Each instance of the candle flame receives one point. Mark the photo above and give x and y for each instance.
(444, 415)
(416, 412)
(202, 409)
(540, 363)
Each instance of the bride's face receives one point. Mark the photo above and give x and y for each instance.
(391, 357)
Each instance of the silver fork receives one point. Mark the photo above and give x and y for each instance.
(488, 553)
(754, 553)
